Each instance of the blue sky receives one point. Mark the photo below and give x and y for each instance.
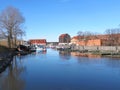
(50, 18)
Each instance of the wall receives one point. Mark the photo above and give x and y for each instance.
(94, 48)
(95, 42)
(38, 41)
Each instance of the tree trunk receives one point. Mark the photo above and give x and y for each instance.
(9, 45)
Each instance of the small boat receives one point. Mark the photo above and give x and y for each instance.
(37, 48)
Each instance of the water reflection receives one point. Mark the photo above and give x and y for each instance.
(85, 55)
(113, 62)
(48, 72)
(40, 52)
(97, 59)
(12, 80)
(66, 55)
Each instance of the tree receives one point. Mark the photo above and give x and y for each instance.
(113, 36)
(80, 35)
(11, 24)
(17, 33)
(86, 35)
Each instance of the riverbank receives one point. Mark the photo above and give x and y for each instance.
(86, 53)
(6, 56)
(103, 51)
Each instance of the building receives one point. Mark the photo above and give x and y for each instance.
(94, 42)
(97, 40)
(74, 40)
(64, 38)
(38, 41)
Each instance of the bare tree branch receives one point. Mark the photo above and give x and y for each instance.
(11, 22)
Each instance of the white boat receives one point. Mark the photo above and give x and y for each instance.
(37, 48)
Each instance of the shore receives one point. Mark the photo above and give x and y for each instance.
(6, 56)
(102, 51)
(86, 53)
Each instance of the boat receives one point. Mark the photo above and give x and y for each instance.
(37, 48)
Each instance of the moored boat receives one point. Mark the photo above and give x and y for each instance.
(37, 48)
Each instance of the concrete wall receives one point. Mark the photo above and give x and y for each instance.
(94, 48)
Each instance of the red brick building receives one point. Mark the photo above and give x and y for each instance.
(64, 38)
(38, 41)
(98, 40)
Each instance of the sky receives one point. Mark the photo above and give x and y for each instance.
(48, 19)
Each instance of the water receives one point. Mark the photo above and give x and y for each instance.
(53, 70)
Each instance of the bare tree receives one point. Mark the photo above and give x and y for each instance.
(86, 35)
(17, 34)
(11, 22)
(80, 35)
(113, 36)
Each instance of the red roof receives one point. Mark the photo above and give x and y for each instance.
(62, 35)
(77, 37)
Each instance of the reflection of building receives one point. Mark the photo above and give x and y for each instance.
(38, 41)
(64, 38)
(65, 55)
(85, 55)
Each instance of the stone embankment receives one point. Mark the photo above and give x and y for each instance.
(6, 55)
(112, 51)
(5, 60)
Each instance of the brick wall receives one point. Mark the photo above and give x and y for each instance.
(38, 41)
(96, 42)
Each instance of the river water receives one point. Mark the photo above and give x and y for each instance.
(54, 70)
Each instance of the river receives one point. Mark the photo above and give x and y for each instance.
(54, 70)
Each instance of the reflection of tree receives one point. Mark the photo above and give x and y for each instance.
(65, 55)
(13, 81)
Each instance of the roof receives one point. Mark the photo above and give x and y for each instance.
(38, 40)
(63, 35)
